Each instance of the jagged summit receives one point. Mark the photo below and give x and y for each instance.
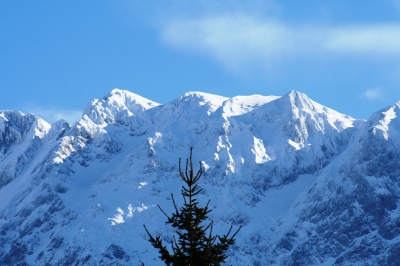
(302, 108)
(303, 104)
(115, 105)
(386, 121)
(124, 97)
(301, 101)
(19, 119)
(16, 127)
(21, 137)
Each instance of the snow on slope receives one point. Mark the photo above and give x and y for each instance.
(116, 107)
(298, 135)
(240, 105)
(20, 137)
(351, 213)
(90, 187)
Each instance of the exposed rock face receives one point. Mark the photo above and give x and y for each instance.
(20, 137)
(310, 186)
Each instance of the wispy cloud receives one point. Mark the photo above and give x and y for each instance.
(371, 40)
(52, 115)
(239, 40)
(373, 94)
(234, 42)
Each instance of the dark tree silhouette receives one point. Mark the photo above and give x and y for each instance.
(195, 247)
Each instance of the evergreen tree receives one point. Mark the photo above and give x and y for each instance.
(196, 246)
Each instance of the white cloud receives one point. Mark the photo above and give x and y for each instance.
(373, 40)
(52, 115)
(234, 42)
(237, 41)
(373, 94)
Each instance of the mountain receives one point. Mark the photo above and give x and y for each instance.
(351, 212)
(309, 185)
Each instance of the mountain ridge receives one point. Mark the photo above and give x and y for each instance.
(286, 168)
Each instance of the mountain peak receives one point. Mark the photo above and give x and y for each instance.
(296, 94)
(126, 98)
(298, 98)
(23, 122)
(17, 128)
(385, 120)
(301, 103)
(117, 103)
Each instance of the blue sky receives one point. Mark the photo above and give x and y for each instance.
(57, 56)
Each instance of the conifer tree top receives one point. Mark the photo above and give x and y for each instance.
(195, 244)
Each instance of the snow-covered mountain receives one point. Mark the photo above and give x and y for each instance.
(309, 185)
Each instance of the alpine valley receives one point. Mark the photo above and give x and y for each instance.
(309, 185)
